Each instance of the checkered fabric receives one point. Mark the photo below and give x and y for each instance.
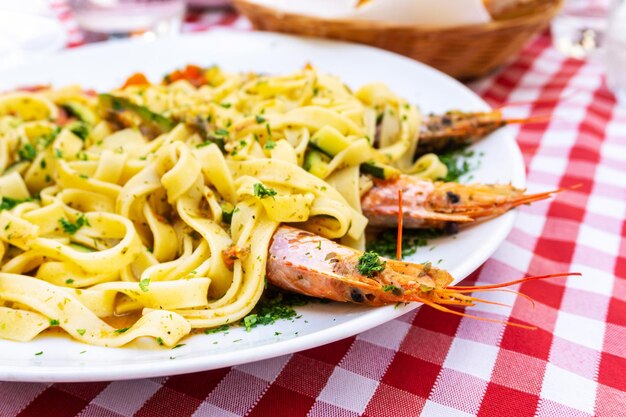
(434, 364)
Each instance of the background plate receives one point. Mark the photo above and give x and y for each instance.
(107, 65)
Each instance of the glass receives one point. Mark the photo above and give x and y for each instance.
(579, 29)
(616, 50)
(124, 18)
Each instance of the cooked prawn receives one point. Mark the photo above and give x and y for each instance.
(308, 264)
(456, 129)
(440, 204)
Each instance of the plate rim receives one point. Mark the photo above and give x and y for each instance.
(58, 42)
(182, 365)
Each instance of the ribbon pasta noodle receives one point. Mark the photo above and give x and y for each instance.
(160, 201)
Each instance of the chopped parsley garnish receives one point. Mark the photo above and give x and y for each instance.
(458, 164)
(81, 331)
(54, 322)
(273, 306)
(270, 144)
(7, 203)
(44, 141)
(393, 289)
(120, 331)
(261, 191)
(226, 105)
(250, 321)
(69, 281)
(221, 132)
(179, 345)
(369, 264)
(222, 328)
(385, 242)
(143, 284)
(39, 353)
(27, 152)
(259, 119)
(159, 341)
(71, 228)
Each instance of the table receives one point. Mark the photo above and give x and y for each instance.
(433, 364)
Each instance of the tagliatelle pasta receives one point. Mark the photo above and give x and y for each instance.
(130, 202)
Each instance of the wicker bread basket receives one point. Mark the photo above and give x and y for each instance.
(464, 52)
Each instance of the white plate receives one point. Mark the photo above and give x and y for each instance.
(107, 65)
(26, 37)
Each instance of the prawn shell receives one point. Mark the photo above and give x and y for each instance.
(308, 264)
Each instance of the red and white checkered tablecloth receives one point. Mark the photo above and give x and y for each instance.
(434, 364)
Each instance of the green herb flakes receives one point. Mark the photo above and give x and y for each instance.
(369, 264)
(27, 152)
(261, 191)
(458, 164)
(7, 203)
(143, 284)
(71, 228)
(270, 144)
(385, 243)
(392, 289)
(222, 328)
(273, 306)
